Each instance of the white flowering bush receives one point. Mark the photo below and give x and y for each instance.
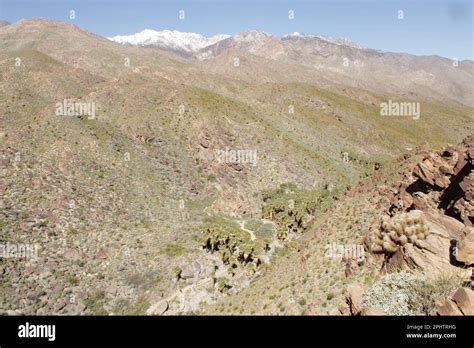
(394, 293)
(405, 294)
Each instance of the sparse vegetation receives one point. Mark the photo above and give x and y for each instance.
(172, 250)
(132, 207)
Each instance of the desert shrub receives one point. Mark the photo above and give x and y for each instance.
(393, 293)
(266, 231)
(211, 178)
(405, 294)
(146, 223)
(172, 250)
(435, 288)
(253, 224)
(95, 302)
(140, 306)
(142, 280)
(302, 301)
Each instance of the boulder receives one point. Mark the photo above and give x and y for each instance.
(354, 294)
(464, 299)
(461, 302)
(465, 249)
(60, 305)
(187, 272)
(158, 308)
(434, 254)
(447, 307)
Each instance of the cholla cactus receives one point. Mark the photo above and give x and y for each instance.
(399, 230)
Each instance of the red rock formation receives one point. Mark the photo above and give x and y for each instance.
(442, 180)
(460, 303)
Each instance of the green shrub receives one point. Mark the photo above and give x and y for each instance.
(211, 178)
(172, 250)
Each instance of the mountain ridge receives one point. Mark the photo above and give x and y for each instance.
(136, 212)
(146, 39)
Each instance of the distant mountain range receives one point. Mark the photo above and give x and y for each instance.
(190, 43)
(331, 60)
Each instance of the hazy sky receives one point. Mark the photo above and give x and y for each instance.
(440, 27)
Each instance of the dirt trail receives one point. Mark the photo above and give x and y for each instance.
(242, 226)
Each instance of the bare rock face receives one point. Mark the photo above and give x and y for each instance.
(460, 303)
(464, 299)
(447, 307)
(353, 305)
(465, 250)
(432, 214)
(353, 302)
(436, 252)
(442, 180)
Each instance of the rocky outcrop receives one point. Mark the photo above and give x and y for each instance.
(465, 249)
(432, 212)
(436, 252)
(443, 180)
(353, 304)
(194, 271)
(353, 300)
(461, 302)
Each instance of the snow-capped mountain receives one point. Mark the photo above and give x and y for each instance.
(190, 44)
(297, 47)
(170, 39)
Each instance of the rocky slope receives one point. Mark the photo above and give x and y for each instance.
(145, 209)
(370, 244)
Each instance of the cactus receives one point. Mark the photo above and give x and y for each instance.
(403, 240)
(399, 230)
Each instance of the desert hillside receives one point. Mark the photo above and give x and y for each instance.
(214, 181)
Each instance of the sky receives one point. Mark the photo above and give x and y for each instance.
(441, 27)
